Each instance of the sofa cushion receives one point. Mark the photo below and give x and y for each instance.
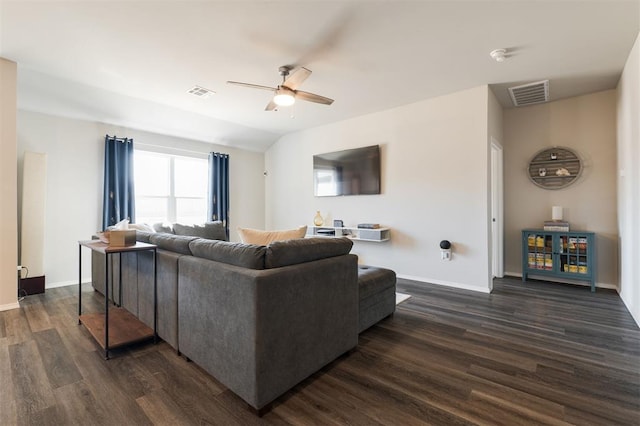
(256, 236)
(373, 280)
(284, 253)
(238, 254)
(210, 230)
(143, 236)
(175, 243)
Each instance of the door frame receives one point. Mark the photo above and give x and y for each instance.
(497, 210)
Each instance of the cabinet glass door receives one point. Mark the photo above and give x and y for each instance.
(540, 251)
(573, 252)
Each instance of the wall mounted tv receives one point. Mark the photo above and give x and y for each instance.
(350, 172)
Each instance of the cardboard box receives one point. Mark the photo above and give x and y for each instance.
(122, 238)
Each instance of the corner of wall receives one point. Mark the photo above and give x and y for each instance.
(8, 185)
(628, 180)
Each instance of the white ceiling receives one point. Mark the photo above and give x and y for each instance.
(131, 63)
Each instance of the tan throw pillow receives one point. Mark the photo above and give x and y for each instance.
(263, 238)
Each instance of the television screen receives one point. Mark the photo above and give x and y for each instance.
(350, 172)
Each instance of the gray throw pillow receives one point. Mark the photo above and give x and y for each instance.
(159, 227)
(216, 230)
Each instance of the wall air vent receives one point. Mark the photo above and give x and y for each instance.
(529, 94)
(200, 92)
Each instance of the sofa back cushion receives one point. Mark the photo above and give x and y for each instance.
(256, 236)
(210, 230)
(284, 253)
(143, 236)
(175, 243)
(238, 254)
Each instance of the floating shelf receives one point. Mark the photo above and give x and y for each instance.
(545, 165)
(377, 235)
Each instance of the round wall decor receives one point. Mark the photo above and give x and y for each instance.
(555, 168)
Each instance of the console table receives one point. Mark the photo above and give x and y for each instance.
(116, 326)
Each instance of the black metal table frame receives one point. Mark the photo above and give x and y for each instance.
(119, 250)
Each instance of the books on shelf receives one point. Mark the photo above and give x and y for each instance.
(556, 225)
(369, 225)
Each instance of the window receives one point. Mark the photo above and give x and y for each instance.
(170, 188)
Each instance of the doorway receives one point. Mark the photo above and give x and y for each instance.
(497, 210)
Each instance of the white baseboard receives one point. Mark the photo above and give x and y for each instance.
(9, 306)
(445, 283)
(66, 283)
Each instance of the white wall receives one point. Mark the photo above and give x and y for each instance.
(586, 124)
(434, 186)
(628, 125)
(75, 151)
(8, 189)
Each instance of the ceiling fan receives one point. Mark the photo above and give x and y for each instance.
(286, 93)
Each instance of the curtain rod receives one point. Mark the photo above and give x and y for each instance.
(114, 137)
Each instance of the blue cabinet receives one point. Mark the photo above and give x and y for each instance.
(558, 254)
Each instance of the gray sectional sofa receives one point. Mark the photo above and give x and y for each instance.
(260, 319)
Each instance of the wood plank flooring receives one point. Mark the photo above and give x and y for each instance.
(535, 353)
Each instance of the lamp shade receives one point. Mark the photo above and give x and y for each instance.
(284, 97)
(556, 213)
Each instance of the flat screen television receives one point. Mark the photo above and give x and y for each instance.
(349, 172)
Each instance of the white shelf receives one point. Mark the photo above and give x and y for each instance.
(377, 235)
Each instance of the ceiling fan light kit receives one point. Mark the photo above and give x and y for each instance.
(286, 93)
(284, 97)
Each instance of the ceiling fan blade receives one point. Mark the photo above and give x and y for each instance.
(294, 80)
(271, 106)
(311, 97)
(251, 86)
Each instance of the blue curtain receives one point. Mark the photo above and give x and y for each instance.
(218, 194)
(118, 202)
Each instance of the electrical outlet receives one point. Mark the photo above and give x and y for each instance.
(19, 268)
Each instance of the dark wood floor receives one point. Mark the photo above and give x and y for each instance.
(539, 353)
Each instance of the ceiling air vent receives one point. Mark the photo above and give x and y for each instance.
(529, 94)
(200, 92)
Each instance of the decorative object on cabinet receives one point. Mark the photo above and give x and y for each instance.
(566, 255)
(317, 220)
(555, 168)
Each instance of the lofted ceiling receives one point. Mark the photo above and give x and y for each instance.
(131, 63)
